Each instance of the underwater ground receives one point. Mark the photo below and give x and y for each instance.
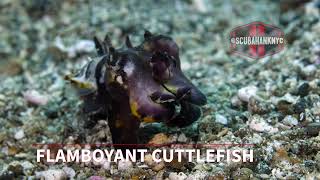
(272, 102)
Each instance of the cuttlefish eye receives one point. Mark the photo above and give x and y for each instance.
(163, 44)
(160, 65)
(166, 44)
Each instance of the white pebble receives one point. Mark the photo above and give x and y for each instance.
(198, 175)
(124, 165)
(51, 174)
(245, 93)
(106, 165)
(235, 101)
(148, 160)
(19, 134)
(200, 6)
(290, 120)
(182, 138)
(175, 176)
(70, 172)
(27, 165)
(221, 119)
(258, 124)
(34, 97)
(309, 70)
(287, 97)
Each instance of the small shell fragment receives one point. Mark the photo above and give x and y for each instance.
(34, 97)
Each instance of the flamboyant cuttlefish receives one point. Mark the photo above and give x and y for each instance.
(131, 85)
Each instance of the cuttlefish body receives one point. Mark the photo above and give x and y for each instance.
(137, 84)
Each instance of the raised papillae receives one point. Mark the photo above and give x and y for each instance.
(135, 84)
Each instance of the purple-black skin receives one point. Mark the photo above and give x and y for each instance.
(141, 84)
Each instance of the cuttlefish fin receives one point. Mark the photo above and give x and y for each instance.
(99, 47)
(84, 81)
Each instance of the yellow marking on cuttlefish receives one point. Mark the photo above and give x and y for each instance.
(148, 119)
(79, 84)
(171, 88)
(134, 109)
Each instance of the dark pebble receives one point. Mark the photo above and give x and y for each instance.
(263, 168)
(190, 166)
(51, 110)
(303, 89)
(7, 176)
(17, 170)
(300, 106)
(313, 129)
(310, 164)
(285, 107)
